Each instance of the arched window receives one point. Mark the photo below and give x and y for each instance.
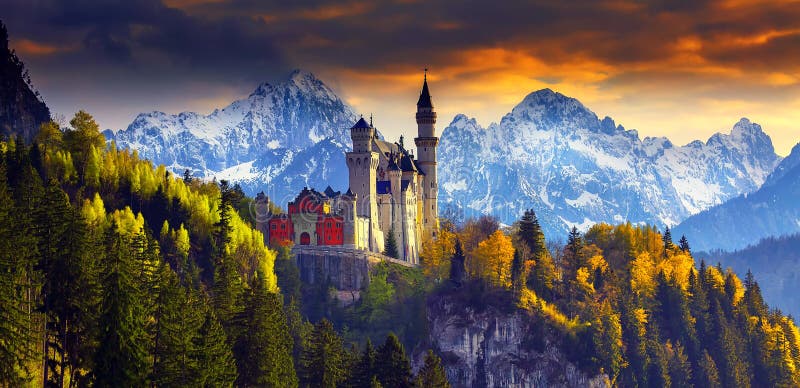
(305, 239)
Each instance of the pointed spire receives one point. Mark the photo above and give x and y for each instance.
(425, 96)
(370, 120)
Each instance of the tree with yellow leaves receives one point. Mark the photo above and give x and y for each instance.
(492, 258)
(436, 253)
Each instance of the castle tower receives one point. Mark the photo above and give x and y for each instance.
(362, 164)
(427, 142)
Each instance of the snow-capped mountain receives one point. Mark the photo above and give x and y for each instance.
(280, 138)
(554, 155)
(771, 211)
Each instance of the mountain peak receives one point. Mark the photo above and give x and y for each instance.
(745, 127)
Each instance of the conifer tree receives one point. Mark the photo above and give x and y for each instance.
(432, 374)
(708, 376)
(264, 351)
(458, 270)
(667, 238)
(16, 321)
(517, 272)
(390, 246)
(393, 368)
(680, 370)
(178, 317)
(323, 363)
(228, 285)
(215, 363)
(122, 358)
(683, 244)
(365, 371)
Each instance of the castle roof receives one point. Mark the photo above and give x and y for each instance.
(404, 185)
(392, 165)
(384, 187)
(361, 124)
(425, 96)
(407, 164)
(330, 193)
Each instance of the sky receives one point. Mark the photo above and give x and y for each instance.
(682, 69)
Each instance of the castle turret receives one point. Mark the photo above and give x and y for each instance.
(426, 150)
(362, 164)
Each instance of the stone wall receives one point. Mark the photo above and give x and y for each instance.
(347, 268)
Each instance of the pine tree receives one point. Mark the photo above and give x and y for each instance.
(667, 238)
(16, 321)
(264, 351)
(393, 368)
(364, 371)
(323, 363)
(683, 244)
(680, 370)
(708, 376)
(228, 285)
(390, 246)
(178, 317)
(122, 358)
(517, 272)
(458, 270)
(216, 366)
(432, 374)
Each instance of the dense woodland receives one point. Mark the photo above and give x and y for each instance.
(114, 272)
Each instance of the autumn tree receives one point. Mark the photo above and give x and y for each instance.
(492, 259)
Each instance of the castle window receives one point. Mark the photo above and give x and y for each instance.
(273, 226)
(283, 226)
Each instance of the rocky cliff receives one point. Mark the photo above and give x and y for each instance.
(21, 110)
(495, 348)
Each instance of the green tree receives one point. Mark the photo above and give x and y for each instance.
(323, 362)
(683, 244)
(215, 363)
(17, 333)
(178, 318)
(517, 271)
(390, 246)
(667, 238)
(432, 374)
(84, 136)
(392, 365)
(458, 270)
(122, 358)
(264, 351)
(708, 376)
(364, 371)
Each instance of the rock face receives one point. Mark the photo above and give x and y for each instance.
(771, 211)
(21, 110)
(554, 155)
(491, 348)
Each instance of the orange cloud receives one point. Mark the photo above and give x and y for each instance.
(27, 47)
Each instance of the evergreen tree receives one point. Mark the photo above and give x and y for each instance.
(323, 363)
(432, 374)
(667, 238)
(680, 370)
(178, 317)
(390, 246)
(458, 270)
(16, 321)
(264, 351)
(228, 286)
(216, 366)
(753, 300)
(517, 272)
(530, 232)
(365, 370)
(288, 275)
(683, 244)
(708, 376)
(393, 368)
(122, 358)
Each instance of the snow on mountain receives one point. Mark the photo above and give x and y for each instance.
(554, 155)
(278, 139)
(771, 211)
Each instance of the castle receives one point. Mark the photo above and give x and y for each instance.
(389, 192)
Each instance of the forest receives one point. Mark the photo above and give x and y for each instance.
(115, 272)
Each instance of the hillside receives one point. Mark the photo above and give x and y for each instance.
(775, 261)
(21, 109)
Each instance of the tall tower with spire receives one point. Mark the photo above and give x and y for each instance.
(427, 142)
